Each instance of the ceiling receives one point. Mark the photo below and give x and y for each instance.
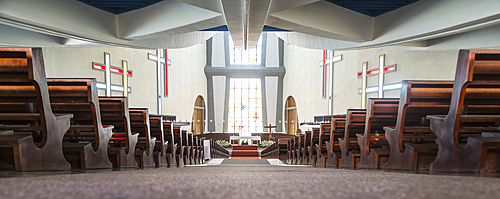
(319, 24)
(119, 6)
(368, 7)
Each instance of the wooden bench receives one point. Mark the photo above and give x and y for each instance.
(160, 153)
(332, 144)
(190, 147)
(171, 150)
(36, 134)
(121, 151)
(291, 145)
(300, 145)
(306, 148)
(178, 141)
(411, 141)
(374, 148)
(312, 149)
(349, 148)
(476, 85)
(144, 150)
(85, 144)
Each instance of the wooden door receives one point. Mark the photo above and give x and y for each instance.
(291, 116)
(198, 116)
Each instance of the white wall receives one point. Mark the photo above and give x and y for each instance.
(77, 63)
(303, 81)
(187, 80)
(411, 65)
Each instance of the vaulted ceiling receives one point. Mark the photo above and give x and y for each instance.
(332, 24)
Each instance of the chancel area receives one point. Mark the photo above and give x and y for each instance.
(249, 99)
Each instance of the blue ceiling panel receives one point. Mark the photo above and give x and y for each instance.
(119, 6)
(266, 29)
(372, 8)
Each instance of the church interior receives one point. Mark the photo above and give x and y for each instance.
(249, 99)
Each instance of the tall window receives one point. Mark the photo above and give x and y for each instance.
(245, 106)
(245, 57)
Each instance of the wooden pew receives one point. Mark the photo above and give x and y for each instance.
(191, 148)
(332, 145)
(160, 153)
(476, 85)
(323, 138)
(121, 151)
(299, 149)
(144, 150)
(21, 69)
(178, 141)
(171, 150)
(187, 144)
(374, 149)
(197, 150)
(312, 149)
(306, 147)
(290, 156)
(283, 145)
(86, 142)
(412, 143)
(349, 148)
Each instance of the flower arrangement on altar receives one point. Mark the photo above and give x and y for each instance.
(265, 143)
(224, 143)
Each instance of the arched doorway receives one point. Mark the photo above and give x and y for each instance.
(198, 116)
(291, 116)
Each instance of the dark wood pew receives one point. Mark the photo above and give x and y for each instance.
(144, 150)
(312, 149)
(86, 142)
(291, 145)
(121, 151)
(306, 147)
(190, 147)
(332, 145)
(323, 138)
(171, 150)
(349, 148)
(181, 146)
(161, 155)
(35, 140)
(476, 85)
(374, 148)
(283, 145)
(299, 149)
(412, 143)
(197, 150)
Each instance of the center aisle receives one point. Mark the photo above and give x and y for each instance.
(245, 152)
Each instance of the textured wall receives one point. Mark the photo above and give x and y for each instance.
(185, 76)
(77, 63)
(411, 65)
(303, 81)
(186, 80)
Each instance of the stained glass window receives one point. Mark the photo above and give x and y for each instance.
(245, 57)
(245, 106)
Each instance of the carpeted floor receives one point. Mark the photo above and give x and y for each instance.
(245, 152)
(249, 181)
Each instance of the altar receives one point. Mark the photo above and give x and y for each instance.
(244, 138)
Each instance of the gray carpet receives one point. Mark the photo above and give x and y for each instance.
(249, 182)
(245, 161)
